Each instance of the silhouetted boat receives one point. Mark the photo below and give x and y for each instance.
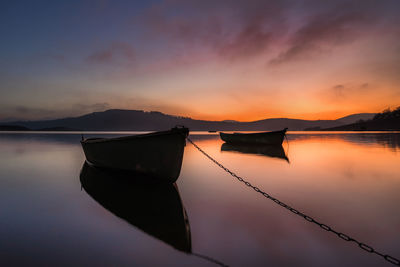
(273, 151)
(269, 138)
(157, 155)
(154, 208)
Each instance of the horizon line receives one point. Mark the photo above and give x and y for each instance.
(10, 120)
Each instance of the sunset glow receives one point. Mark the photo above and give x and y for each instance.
(236, 60)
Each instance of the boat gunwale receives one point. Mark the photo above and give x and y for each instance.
(181, 131)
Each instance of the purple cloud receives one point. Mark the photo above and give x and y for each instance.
(281, 31)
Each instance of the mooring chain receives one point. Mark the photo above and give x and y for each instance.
(306, 217)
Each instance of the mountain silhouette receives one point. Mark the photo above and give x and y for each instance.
(385, 121)
(138, 120)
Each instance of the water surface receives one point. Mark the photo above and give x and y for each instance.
(350, 181)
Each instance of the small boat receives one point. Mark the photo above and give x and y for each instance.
(156, 155)
(154, 208)
(272, 151)
(212, 131)
(268, 138)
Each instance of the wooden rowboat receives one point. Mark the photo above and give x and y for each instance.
(154, 208)
(156, 155)
(268, 138)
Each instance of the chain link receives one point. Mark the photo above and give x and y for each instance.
(327, 228)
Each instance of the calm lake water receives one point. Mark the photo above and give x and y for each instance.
(349, 181)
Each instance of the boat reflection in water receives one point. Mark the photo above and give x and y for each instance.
(273, 151)
(154, 208)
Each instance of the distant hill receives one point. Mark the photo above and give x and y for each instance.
(346, 120)
(356, 117)
(22, 128)
(138, 120)
(385, 121)
(13, 128)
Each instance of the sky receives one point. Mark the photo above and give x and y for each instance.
(239, 60)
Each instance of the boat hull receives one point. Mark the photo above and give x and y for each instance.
(157, 155)
(267, 138)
